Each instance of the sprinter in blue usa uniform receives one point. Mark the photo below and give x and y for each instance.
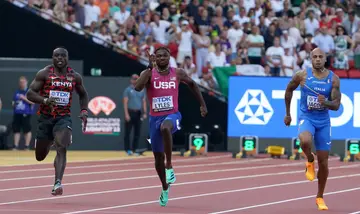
(320, 92)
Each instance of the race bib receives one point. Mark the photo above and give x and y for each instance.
(164, 103)
(313, 103)
(62, 98)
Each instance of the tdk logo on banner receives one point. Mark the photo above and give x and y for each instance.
(254, 108)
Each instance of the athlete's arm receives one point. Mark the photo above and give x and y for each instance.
(143, 79)
(80, 89)
(293, 84)
(183, 77)
(36, 85)
(334, 104)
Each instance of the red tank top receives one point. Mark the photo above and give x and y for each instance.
(163, 93)
(61, 88)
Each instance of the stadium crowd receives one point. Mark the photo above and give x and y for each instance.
(203, 34)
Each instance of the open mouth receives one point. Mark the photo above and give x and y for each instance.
(60, 63)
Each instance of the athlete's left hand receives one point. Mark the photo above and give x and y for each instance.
(203, 111)
(321, 99)
(83, 116)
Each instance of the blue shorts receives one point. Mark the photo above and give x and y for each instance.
(320, 130)
(155, 133)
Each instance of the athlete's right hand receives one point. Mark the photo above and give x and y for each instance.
(287, 120)
(50, 102)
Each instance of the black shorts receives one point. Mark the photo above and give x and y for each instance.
(21, 122)
(48, 125)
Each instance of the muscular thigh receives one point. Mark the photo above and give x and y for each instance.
(63, 131)
(155, 134)
(322, 138)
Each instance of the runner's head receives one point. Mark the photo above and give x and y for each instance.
(60, 57)
(318, 58)
(162, 57)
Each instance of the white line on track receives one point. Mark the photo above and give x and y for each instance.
(132, 170)
(217, 193)
(150, 169)
(115, 164)
(184, 183)
(357, 212)
(285, 201)
(182, 173)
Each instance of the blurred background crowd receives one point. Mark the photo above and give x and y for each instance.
(205, 34)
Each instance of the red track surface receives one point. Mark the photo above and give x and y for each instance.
(214, 184)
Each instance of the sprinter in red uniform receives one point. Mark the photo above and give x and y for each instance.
(52, 88)
(162, 86)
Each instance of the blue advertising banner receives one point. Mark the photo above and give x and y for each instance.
(257, 107)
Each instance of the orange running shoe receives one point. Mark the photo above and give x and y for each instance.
(310, 170)
(321, 204)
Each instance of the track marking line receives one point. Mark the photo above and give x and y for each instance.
(211, 194)
(57, 211)
(285, 201)
(129, 170)
(150, 176)
(357, 212)
(180, 184)
(106, 165)
(151, 169)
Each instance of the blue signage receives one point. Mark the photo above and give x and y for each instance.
(256, 106)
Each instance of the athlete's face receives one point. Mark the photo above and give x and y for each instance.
(60, 58)
(162, 58)
(318, 59)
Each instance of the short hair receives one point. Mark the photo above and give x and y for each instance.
(162, 48)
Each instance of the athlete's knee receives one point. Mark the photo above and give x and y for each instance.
(305, 139)
(63, 139)
(166, 126)
(40, 157)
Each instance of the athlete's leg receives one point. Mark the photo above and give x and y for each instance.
(158, 150)
(323, 145)
(306, 133)
(169, 126)
(63, 138)
(44, 137)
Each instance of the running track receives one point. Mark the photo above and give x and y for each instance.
(215, 184)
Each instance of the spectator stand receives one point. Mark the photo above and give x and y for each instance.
(203, 36)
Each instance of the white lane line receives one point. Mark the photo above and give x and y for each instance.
(215, 193)
(176, 184)
(155, 176)
(285, 201)
(151, 169)
(114, 164)
(130, 170)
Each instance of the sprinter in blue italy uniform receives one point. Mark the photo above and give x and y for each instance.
(320, 92)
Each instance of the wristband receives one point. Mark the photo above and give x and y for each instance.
(84, 110)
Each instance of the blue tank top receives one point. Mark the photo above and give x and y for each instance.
(309, 105)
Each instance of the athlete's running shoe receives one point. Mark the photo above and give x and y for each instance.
(321, 204)
(170, 176)
(164, 197)
(57, 189)
(310, 170)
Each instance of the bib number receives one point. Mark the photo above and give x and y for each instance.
(164, 103)
(62, 98)
(313, 103)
